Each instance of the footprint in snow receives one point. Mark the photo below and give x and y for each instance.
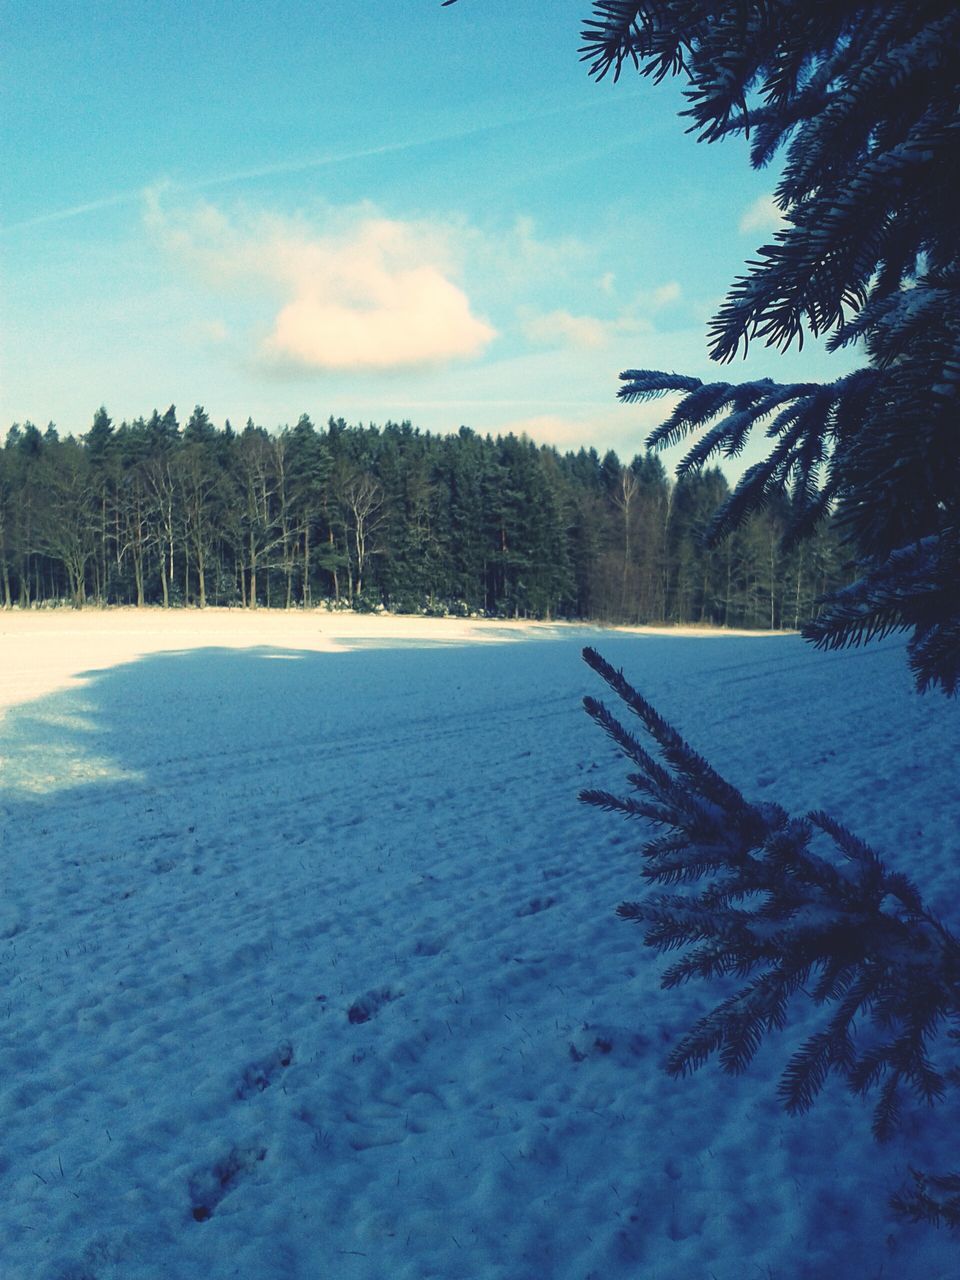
(622, 1045)
(209, 1186)
(369, 1005)
(259, 1075)
(11, 920)
(535, 906)
(427, 946)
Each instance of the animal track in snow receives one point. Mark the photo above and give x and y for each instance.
(535, 906)
(428, 946)
(259, 1075)
(369, 1005)
(208, 1187)
(621, 1044)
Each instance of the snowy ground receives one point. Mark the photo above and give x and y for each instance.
(309, 966)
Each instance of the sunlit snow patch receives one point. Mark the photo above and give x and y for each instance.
(46, 753)
(37, 770)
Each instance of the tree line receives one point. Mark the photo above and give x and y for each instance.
(150, 512)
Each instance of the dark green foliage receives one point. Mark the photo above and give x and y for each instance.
(917, 586)
(863, 99)
(369, 517)
(933, 1198)
(792, 908)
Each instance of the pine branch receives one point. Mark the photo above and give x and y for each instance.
(916, 587)
(934, 1198)
(795, 908)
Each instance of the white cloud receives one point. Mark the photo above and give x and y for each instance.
(560, 328)
(363, 292)
(549, 428)
(762, 215)
(213, 331)
(535, 255)
(620, 427)
(665, 294)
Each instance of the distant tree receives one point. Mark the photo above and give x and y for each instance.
(462, 463)
(199, 429)
(136, 530)
(198, 483)
(100, 449)
(361, 501)
(696, 586)
(310, 465)
(67, 521)
(258, 483)
(369, 515)
(100, 436)
(24, 450)
(6, 523)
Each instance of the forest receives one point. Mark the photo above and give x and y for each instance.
(152, 512)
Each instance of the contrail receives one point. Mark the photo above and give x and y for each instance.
(409, 144)
(303, 165)
(75, 211)
(315, 162)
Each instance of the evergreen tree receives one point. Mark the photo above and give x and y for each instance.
(310, 471)
(462, 463)
(101, 452)
(6, 528)
(66, 529)
(369, 516)
(198, 479)
(864, 97)
(696, 588)
(804, 902)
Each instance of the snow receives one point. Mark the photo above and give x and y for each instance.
(310, 968)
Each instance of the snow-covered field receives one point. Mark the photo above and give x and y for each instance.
(309, 966)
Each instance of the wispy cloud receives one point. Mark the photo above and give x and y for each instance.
(75, 211)
(306, 164)
(562, 328)
(761, 215)
(665, 295)
(619, 427)
(321, 160)
(361, 291)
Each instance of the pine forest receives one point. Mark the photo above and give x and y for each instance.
(150, 512)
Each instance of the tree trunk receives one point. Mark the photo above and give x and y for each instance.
(336, 577)
(138, 575)
(306, 566)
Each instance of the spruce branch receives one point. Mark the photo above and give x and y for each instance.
(916, 587)
(862, 99)
(933, 1198)
(794, 908)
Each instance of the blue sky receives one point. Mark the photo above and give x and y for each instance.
(372, 211)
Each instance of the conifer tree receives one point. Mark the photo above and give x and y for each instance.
(793, 908)
(863, 97)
